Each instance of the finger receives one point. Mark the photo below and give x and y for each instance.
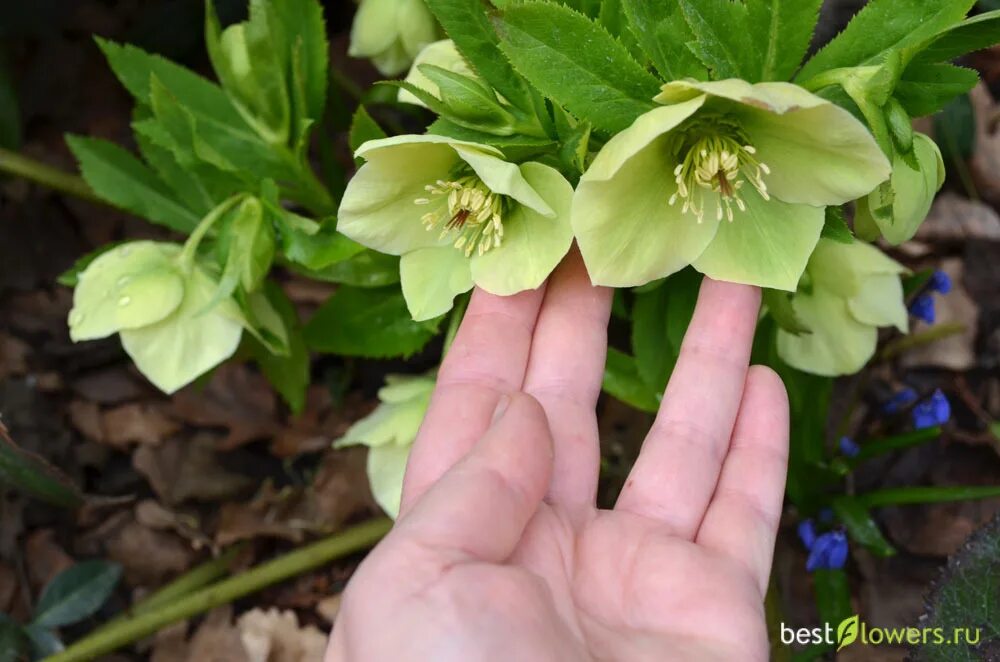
(679, 464)
(479, 508)
(487, 359)
(742, 520)
(564, 374)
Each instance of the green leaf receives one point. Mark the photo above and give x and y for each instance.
(974, 34)
(965, 599)
(663, 33)
(76, 593)
(32, 475)
(319, 250)
(622, 381)
(44, 642)
(126, 182)
(682, 296)
(12, 639)
(833, 595)
(365, 269)
(925, 88)
(288, 374)
(836, 227)
(785, 28)
(515, 148)
(722, 41)
(955, 131)
(885, 25)
(899, 496)
(655, 356)
(363, 129)
(877, 447)
(468, 25)
(779, 305)
(373, 323)
(860, 525)
(576, 63)
(304, 30)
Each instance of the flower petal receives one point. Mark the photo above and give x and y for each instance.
(844, 269)
(378, 208)
(818, 156)
(416, 25)
(773, 97)
(533, 244)
(627, 231)
(881, 303)
(441, 54)
(370, 34)
(768, 245)
(386, 468)
(130, 286)
(432, 278)
(838, 344)
(503, 177)
(190, 342)
(401, 388)
(647, 128)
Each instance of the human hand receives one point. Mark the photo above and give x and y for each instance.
(500, 553)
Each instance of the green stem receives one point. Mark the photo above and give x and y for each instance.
(186, 258)
(901, 496)
(58, 180)
(294, 563)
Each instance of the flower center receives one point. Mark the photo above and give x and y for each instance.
(722, 164)
(471, 213)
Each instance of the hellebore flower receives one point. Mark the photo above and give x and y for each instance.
(391, 33)
(940, 282)
(897, 402)
(923, 308)
(440, 54)
(849, 447)
(459, 215)
(828, 552)
(167, 315)
(389, 432)
(934, 411)
(729, 177)
(912, 193)
(849, 291)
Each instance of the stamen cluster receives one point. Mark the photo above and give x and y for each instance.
(716, 161)
(470, 212)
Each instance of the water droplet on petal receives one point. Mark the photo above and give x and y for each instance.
(123, 281)
(124, 301)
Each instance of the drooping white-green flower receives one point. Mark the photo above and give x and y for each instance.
(391, 33)
(441, 54)
(166, 314)
(726, 176)
(459, 215)
(848, 292)
(389, 432)
(912, 193)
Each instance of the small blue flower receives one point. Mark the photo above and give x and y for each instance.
(807, 533)
(940, 282)
(923, 308)
(849, 447)
(828, 552)
(899, 401)
(936, 410)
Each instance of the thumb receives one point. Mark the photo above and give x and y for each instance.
(482, 504)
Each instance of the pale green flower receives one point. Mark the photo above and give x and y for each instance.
(391, 33)
(440, 54)
(389, 432)
(911, 194)
(726, 176)
(166, 315)
(459, 215)
(849, 291)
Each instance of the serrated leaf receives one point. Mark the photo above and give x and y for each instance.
(515, 148)
(927, 88)
(303, 27)
(663, 33)
(32, 475)
(288, 374)
(373, 323)
(622, 381)
(885, 25)
(964, 599)
(576, 63)
(835, 227)
(783, 29)
(860, 525)
(76, 593)
(365, 269)
(124, 181)
(363, 129)
(722, 41)
(468, 25)
(971, 35)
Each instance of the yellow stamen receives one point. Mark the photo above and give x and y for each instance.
(469, 211)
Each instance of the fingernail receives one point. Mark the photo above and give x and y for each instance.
(502, 405)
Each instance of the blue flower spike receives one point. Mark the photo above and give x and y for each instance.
(940, 282)
(807, 533)
(849, 447)
(829, 552)
(900, 401)
(923, 308)
(936, 410)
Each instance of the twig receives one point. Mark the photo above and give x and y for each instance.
(294, 563)
(40, 173)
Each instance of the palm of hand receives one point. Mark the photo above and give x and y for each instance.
(500, 554)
